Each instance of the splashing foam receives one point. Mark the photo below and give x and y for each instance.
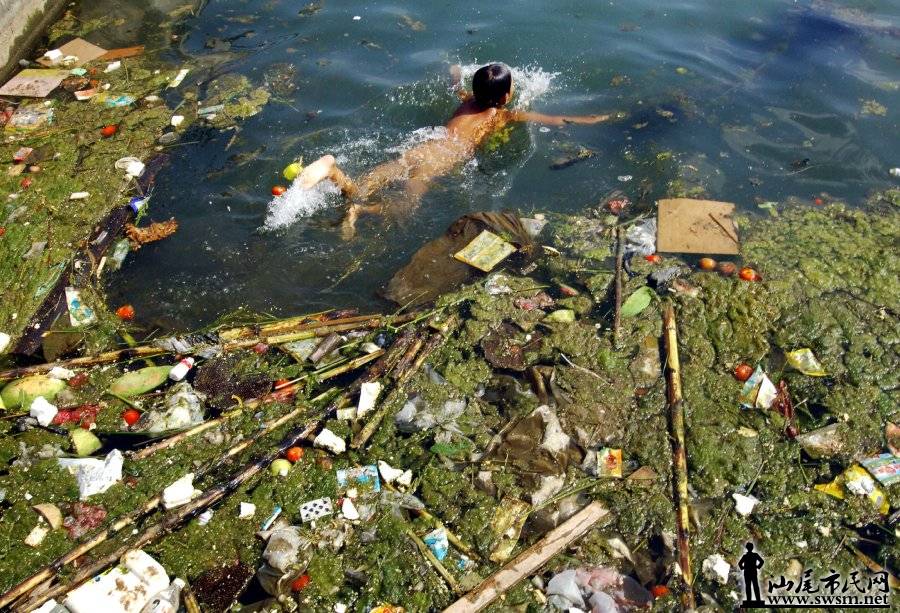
(297, 202)
(529, 82)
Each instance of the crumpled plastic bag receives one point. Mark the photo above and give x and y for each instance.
(287, 553)
(95, 476)
(600, 590)
(184, 408)
(640, 239)
(417, 415)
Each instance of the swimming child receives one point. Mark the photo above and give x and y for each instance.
(481, 114)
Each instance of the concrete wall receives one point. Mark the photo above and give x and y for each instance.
(21, 24)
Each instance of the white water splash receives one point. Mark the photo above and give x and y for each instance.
(529, 82)
(297, 202)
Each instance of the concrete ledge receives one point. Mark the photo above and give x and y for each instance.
(22, 22)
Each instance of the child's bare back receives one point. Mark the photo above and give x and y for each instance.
(481, 114)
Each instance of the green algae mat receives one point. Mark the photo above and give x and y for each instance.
(511, 407)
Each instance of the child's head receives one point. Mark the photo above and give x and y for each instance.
(492, 85)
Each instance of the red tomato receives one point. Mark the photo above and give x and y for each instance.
(653, 258)
(748, 274)
(2, 230)
(659, 591)
(819, 201)
(26, 183)
(125, 312)
(277, 190)
(131, 416)
(742, 372)
(707, 263)
(260, 348)
(109, 130)
(300, 583)
(294, 454)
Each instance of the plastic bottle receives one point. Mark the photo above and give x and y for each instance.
(168, 600)
(180, 370)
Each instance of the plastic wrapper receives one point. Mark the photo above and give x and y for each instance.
(805, 361)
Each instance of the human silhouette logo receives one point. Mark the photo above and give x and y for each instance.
(750, 563)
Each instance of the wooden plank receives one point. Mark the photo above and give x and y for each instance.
(527, 562)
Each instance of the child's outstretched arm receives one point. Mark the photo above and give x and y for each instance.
(560, 120)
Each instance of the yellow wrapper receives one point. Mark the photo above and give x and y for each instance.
(485, 251)
(609, 463)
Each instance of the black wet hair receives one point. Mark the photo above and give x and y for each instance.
(491, 83)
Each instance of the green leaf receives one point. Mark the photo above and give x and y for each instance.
(637, 302)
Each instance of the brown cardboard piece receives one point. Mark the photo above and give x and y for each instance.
(121, 54)
(80, 48)
(685, 225)
(33, 83)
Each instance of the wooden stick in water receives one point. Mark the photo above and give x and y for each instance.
(679, 456)
(529, 560)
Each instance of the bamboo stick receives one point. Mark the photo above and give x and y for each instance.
(529, 560)
(620, 260)
(443, 572)
(172, 520)
(451, 537)
(119, 355)
(679, 456)
(104, 358)
(49, 571)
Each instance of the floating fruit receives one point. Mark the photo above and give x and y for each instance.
(653, 258)
(742, 372)
(277, 190)
(300, 583)
(280, 468)
(748, 274)
(140, 381)
(131, 416)
(726, 269)
(84, 442)
(294, 454)
(819, 201)
(125, 312)
(21, 392)
(707, 264)
(292, 171)
(110, 130)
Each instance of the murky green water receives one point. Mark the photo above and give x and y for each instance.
(737, 92)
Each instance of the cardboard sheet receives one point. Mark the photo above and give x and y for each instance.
(685, 225)
(33, 83)
(80, 48)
